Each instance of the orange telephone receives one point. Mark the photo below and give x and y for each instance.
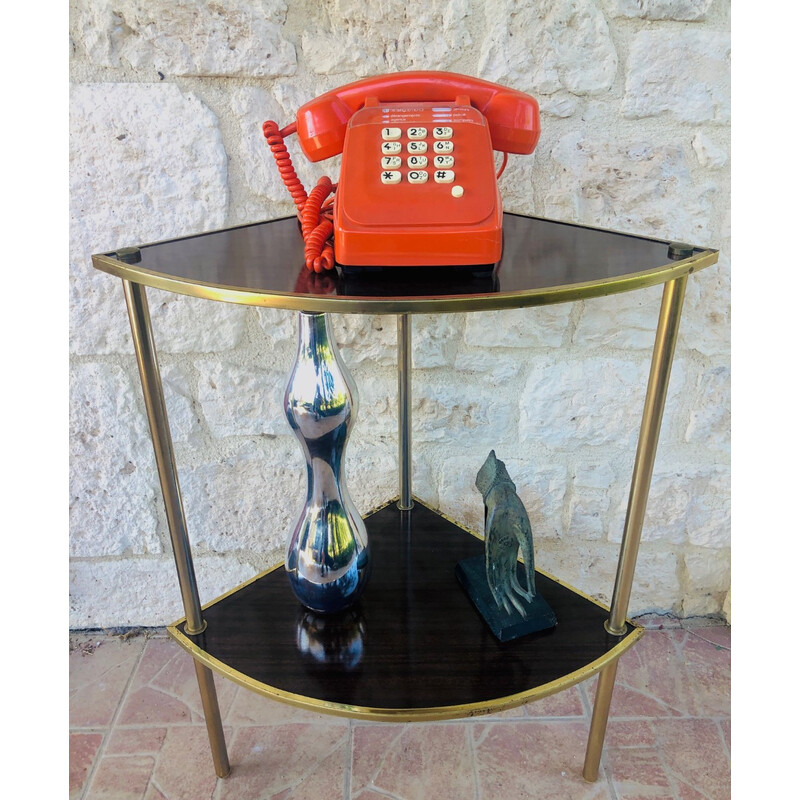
(417, 185)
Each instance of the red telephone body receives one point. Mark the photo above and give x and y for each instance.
(417, 185)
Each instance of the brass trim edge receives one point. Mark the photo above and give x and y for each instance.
(408, 305)
(405, 714)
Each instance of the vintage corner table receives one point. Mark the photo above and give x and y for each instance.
(413, 647)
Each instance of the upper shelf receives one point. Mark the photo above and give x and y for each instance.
(544, 261)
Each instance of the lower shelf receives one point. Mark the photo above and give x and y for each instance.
(413, 647)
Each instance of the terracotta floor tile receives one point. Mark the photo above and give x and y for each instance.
(371, 743)
(184, 769)
(637, 773)
(121, 778)
(164, 688)
(83, 748)
(719, 635)
(676, 671)
(536, 760)
(707, 671)
(249, 708)
(424, 761)
(100, 668)
(298, 760)
(563, 704)
(694, 753)
(136, 741)
(630, 733)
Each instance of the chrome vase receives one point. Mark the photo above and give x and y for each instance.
(327, 557)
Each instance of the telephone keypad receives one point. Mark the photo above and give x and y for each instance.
(416, 162)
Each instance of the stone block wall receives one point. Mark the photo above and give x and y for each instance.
(167, 99)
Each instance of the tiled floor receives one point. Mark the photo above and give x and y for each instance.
(137, 732)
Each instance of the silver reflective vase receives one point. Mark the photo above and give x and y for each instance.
(327, 557)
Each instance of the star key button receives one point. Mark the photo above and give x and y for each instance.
(390, 176)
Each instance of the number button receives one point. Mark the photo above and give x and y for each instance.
(390, 134)
(417, 176)
(390, 176)
(444, 176)
(442, 133)
(417, 162)
(443, 161)
(391, 148)
(443, 147)
(417, 147)
(417, 133)
(391, 162)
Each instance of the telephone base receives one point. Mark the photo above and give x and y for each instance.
(434, 272)
(416, 281)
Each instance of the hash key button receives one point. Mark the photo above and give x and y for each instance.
(444, 176)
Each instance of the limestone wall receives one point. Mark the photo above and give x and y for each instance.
(167, 99)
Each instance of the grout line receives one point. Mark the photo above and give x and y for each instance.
(112, 726)
(382, 792)
(723, 739)
(696, 632)
(480, 740)
(470, 734)
(348, 767)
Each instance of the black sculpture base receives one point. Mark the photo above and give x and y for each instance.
(471, 574)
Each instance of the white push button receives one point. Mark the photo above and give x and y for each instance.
(443, 161)
(391, 162)
(417, 133)
(442, 147)
(389, 134)
(417, 162)
(442, 133)
(444, 176)
(417, 147)
(417, 176)
(390, 176)
(391, 148)
(457, 191)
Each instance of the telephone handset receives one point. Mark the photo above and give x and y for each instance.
(417, 185)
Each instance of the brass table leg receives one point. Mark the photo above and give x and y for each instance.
(660, 367)
(404, 409)
(153, 392)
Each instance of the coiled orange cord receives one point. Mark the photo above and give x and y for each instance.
(313, 208)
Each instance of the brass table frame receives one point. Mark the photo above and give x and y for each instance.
(674, 277)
